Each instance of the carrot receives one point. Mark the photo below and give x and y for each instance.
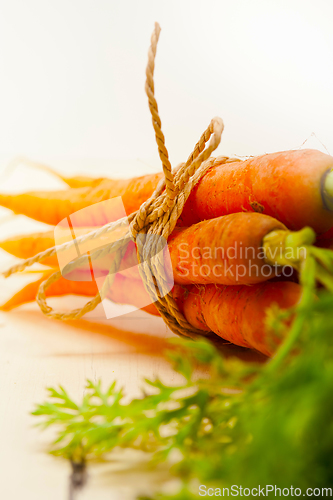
(226, 250)
(123, 291)
(234, 254)
(29, 245)
(289, 186)
(26, 246)
(237, 313)
(52, 207)
(240, 248)
(61, 287)
(293, 186)
(131, 291)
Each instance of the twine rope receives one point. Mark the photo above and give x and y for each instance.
(149, 227)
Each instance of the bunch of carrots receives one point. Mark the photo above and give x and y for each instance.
(238, 247)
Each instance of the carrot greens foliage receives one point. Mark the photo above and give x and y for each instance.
(238, 423)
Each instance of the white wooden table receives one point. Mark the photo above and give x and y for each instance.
(36, 352)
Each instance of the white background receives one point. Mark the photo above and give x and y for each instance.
(72, 77)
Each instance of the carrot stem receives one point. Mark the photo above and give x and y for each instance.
(324, 256)
(292, 248)
(324, 277)
(307, 278)
(327, 190)
(284, 248)
(296, 239)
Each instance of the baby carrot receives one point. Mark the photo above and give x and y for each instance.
(226, 250)
(296, 187)
(62, 287)
(240, 248)
(292, 186)
(123, 291)
(237, 313)
(52, 207)
(26, 246)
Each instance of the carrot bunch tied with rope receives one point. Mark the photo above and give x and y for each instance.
(207, 205)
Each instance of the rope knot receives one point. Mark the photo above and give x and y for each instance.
(158, 216)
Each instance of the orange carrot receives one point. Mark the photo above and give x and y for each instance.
(131, 291)
(59, 288)
(123, 291)
(26, 246)
(237, 313)
(226, 250)
(289, 186)
(29, 245)
(52, 207)
(293, 186)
